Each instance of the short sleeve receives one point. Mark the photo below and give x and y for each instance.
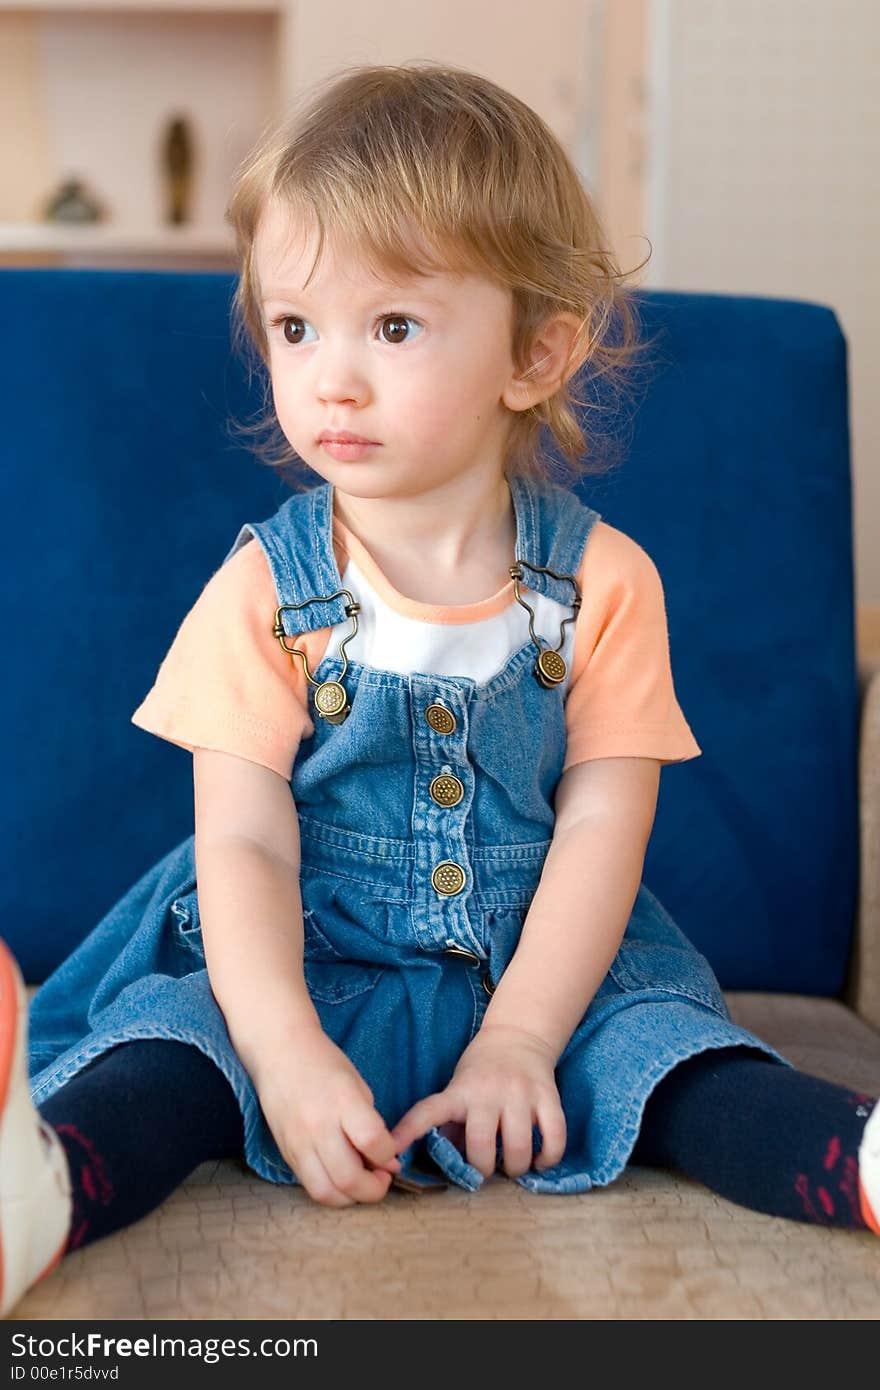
(621, 701)
(225, 682)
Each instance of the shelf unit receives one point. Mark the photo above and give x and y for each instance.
(143, 6)
(104, 77)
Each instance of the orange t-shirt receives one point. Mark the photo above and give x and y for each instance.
(226, 683)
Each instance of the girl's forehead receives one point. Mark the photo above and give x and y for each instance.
(286, 248)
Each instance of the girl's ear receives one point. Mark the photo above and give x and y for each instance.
(554, 360)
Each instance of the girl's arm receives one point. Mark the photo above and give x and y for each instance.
(317, 1105)
(604, 816)
(247, 850)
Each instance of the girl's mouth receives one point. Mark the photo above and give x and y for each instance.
(345, 450)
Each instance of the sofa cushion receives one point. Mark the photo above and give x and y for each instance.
(124, 488)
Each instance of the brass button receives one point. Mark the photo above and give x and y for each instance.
(446, 790)
(441, 720)
(550, 669)
(332, 701)
(448, 878)
(487, 983)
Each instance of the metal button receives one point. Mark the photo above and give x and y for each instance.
(441, 720)
(448, 878)
(446, 790)
(332, 701)
(487, 983)
(460, 951)
(550, 668)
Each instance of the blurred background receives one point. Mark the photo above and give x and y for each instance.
(741, 137)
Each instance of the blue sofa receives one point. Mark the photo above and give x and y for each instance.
(124, 488)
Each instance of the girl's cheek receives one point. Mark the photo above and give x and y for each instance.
(430, 395)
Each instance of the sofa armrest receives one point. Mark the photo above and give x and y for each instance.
(862, 990)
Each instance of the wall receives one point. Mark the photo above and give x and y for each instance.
(766, 147)
(88, 95)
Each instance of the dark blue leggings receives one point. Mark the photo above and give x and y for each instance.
(762, 1135)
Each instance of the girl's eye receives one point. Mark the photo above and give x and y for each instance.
(396, 320)
(294, 336)
(282, 324)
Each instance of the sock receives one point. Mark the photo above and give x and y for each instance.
(134, 1124)
(767, 1137)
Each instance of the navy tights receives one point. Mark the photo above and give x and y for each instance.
(138, 1119)
(760, 1134)
(135, 1123)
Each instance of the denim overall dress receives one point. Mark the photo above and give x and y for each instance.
(425, 816)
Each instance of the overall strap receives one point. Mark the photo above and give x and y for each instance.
(298, 542)
(554, 527)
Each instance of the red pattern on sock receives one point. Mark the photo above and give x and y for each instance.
(827, 1201)
(847, 1183)
(84, 1174)
(802, 1188)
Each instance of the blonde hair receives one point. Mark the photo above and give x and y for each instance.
(375, 151)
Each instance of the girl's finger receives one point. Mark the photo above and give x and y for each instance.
(431, 1110)
(368, 1133)
(551, 1122)
(317, 1181)
(481, 1133)
(347, 1172)
(516, 1139)
(392, 1166)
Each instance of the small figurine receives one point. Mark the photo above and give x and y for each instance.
(178, 161)
(73, 204)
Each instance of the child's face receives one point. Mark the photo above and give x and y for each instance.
(417, 367)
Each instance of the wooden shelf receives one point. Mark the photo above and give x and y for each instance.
(108, 237)
(255, 7)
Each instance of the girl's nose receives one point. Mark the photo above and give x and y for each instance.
(341, 379)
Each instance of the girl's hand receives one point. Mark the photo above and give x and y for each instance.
(505, 1076)
(320, 1111)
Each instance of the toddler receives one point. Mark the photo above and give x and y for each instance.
(427, 701)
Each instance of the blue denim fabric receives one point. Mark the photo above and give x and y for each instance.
(378, 935)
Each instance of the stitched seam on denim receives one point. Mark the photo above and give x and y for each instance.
(627, 1136)
(353, 841)
(509, 674)
(340, 994)
(146, 1031)
(332, 873)
(392, 852)
(528, 852)
(106, 1041)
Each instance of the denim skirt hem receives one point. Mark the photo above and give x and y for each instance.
(700, 1030)
(256, 1131)
(603, 1105)
(595, 1159)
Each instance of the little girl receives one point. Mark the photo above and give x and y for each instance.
(408, 942)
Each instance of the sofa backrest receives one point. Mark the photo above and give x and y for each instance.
(124, 491)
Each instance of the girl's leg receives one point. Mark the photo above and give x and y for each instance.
(765, 1136)
(134, 1123)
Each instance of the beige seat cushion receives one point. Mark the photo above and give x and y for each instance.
(820, 1036)
(651, 1245)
